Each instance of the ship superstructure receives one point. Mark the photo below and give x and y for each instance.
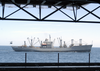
(46, 44)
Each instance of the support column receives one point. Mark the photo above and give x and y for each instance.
(3, 9)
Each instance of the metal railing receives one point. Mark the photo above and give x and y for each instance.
(57, 59)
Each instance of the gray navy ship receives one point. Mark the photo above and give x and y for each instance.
(48, 46)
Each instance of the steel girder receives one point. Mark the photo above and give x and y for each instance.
(74, 5)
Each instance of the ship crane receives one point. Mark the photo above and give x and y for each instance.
(60, 42)
(37, 41)
(29, 40)
(53, 42)
(32, 41)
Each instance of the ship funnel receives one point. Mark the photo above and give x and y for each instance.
(64, 45)
(72, 41)
(80, 40)
(41, 42)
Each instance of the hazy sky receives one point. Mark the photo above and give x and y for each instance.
(18, 31)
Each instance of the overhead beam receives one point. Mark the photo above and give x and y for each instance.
(74, 5)
(90, 12)
(97, 22)
(64, 13)
(49, 6)
(53, 12)
(50, 2)
(21, 1)
(28, 1)
(25, 10)
(3, 9)
(34, 5)
(75, 12)
(15, 11)
(58, 3)
(40, 11)
(43, 2)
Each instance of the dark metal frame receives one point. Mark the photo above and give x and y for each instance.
(74, 5)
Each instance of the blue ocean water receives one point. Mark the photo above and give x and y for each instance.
(7, 55)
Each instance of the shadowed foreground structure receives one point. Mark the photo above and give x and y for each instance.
(49, 66)
(59, 5)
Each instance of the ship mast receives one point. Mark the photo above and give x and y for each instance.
(60, 42)
(31, 42)
(39, 41)
(25, 43)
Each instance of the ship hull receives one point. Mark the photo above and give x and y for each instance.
(83, 48)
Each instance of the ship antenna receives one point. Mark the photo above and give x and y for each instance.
(60, 42)
(49, 38)
(92, 42)
(39, 41)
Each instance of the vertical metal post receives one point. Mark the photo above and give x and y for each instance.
(25, 57)
(89, 57)
(40, 11)
(3, 9)
(58, 57)
(75, 12)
